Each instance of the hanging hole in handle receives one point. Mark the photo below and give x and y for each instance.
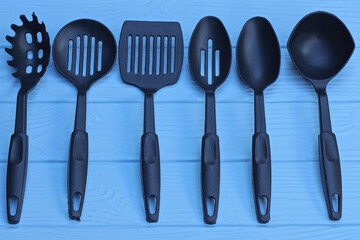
(76, 201)
(210, 206)
(262, 202)
(335, 201)
(151, 201)
(13, 205)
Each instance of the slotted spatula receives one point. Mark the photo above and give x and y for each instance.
(83, 51)
(150, 58)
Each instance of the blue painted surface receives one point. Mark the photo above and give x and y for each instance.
(113, 205)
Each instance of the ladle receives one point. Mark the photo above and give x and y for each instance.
(320, 46)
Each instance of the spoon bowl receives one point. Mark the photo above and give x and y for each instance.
(258, 54)
(96, 49)
(210, 37)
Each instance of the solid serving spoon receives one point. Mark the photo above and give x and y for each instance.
(210, 62)
(30, 56)
(258, 62)
(320, 46)
(83, 51)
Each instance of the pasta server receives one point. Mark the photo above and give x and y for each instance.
(30, 54)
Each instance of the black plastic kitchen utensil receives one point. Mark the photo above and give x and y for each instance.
(30, 54)
(210, 61)
(150, 58)
(320, 46)
(83, 51)
(258, 63)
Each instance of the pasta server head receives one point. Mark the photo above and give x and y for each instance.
(30, 51)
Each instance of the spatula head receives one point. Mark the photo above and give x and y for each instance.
(30, 51)
(151, 54)
(210, 53)
(84, 51)
(258, 54)
(320, 46)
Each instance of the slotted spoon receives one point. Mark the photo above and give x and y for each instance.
(83, 51)
(210, 62)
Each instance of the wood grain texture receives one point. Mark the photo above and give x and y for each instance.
(180, 232)
(113, 205)
(114, 198)
(282, 14)
(115, 130)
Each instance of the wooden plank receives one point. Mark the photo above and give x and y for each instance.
(115, 130)
(265, 232)
(290, 86)
(114, 197)
(282, 14)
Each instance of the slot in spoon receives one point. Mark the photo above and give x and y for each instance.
(84, 51)
(210, 48)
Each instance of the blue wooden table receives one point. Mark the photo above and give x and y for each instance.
(114, 206)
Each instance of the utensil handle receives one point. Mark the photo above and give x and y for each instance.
(16, 176)
(261, 163)
(17, 161)
(210, 177)
(78, 161)
(210, 163)
(150, 162)
(78, 165)
(329, 161)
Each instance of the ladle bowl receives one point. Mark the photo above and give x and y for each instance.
(320, 46)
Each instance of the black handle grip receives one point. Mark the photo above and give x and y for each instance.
(150, 169)
(78, 165)
(331, 174)
(261, 162)
(210, 177)
(16, 176)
